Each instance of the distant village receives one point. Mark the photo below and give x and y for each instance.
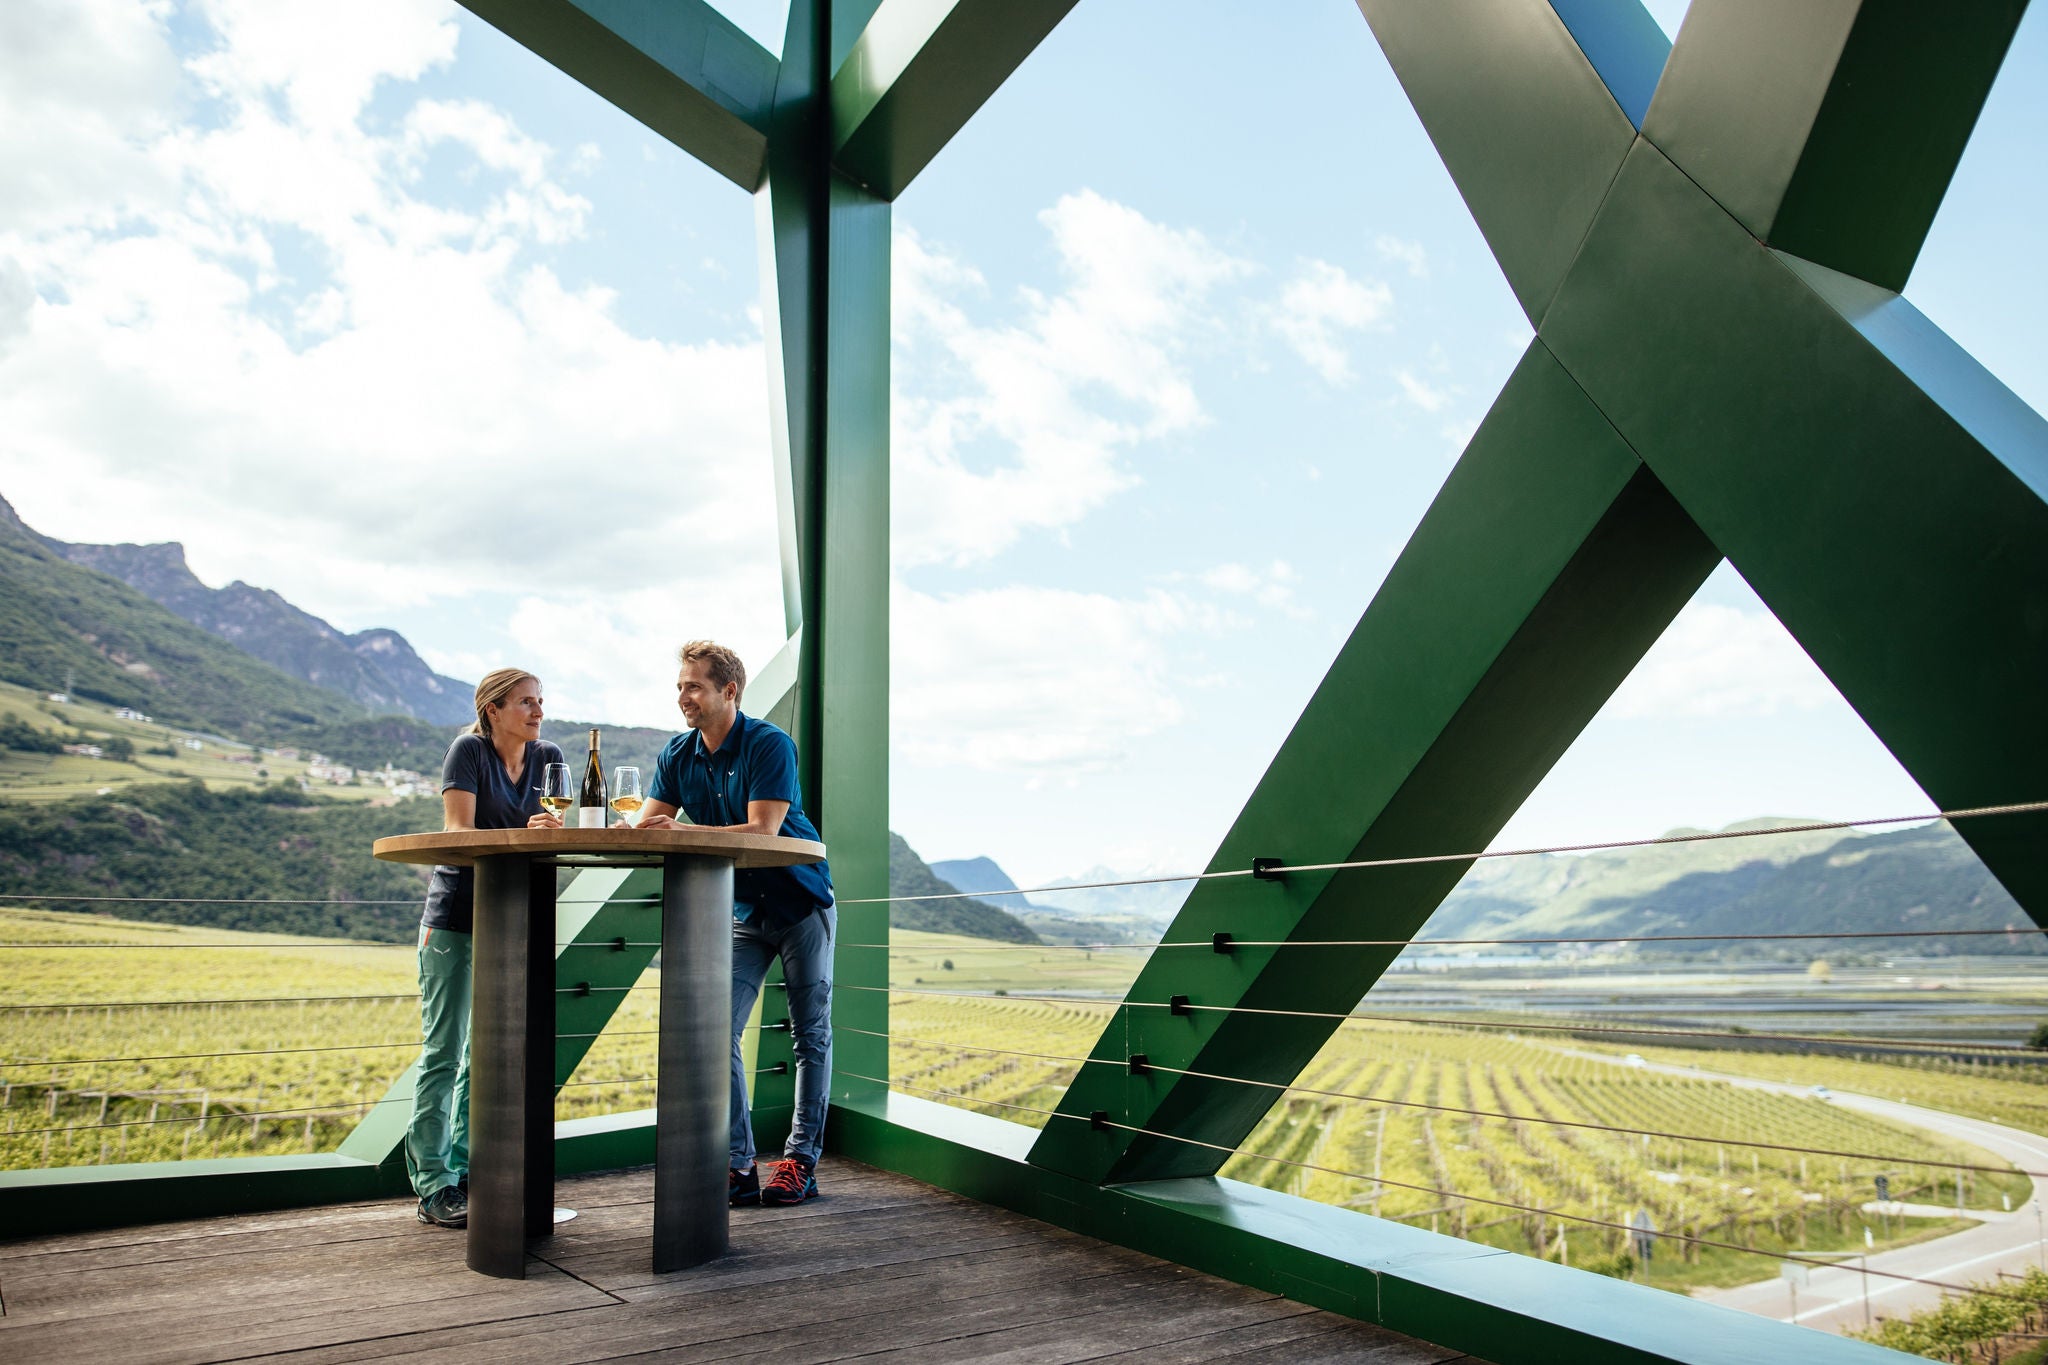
(396, 783)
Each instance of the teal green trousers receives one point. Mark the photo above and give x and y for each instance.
(437, 1143)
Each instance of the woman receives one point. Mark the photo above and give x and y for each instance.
(490, 780)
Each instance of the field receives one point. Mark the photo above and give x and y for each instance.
(111, 1019)
(58, 777)
(120, 1003)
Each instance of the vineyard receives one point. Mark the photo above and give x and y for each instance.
(1712, 1189)
(111, 1077)
(151, 1100)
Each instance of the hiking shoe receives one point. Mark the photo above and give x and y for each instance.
(445, 1208)
(790, 1181)
(743, 1187)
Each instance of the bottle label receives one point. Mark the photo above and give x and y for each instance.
(590, 817)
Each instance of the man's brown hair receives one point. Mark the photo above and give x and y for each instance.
(720, 663)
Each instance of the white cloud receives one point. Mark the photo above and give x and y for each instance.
(1028, 426)
(1404, 253)
(1321, 303)
(364, 380)
(1033, 681)
(1723, 661)
(622, 666)
(1272, 587)
(1458, 434)
(1422, 395)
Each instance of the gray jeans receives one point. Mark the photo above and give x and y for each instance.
(806, 952)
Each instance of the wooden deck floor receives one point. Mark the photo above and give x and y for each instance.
(879, 1267)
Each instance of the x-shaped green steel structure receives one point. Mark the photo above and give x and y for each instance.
(1709, 242)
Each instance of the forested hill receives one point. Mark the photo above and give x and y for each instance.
(59, 621)
(182, 842)
(198, 851)
(377, 669)
(909, 876)
(1822, 882)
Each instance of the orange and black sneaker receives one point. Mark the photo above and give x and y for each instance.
(743, 1187)
(790, 1181)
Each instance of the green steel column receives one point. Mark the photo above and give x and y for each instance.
(1550, 562)
(826, 254)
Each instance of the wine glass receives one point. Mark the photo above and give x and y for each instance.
(626, 798)
(556, 794)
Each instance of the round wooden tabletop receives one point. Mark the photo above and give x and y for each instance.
(462, 847)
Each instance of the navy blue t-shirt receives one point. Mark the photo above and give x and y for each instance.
(757, 762)
(502, 802)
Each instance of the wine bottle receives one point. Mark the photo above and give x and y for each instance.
(590, 801)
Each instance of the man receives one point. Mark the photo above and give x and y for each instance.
(731, 771)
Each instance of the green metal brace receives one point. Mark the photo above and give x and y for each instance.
(1721, 367)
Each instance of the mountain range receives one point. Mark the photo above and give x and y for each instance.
(377, 669)
(130, 625)
(1810, 882)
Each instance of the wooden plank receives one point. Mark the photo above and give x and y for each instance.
(681, 1319)
(1308, 1338)
(878, 1266)
(198, 1230)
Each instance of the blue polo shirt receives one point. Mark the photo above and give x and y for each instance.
(757, 762)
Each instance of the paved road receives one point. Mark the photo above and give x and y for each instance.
(1834, 1299)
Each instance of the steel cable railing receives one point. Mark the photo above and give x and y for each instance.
(331, 1047)
(1140, 1064)
(1182, 1005)
(1225, 942)
(1101, 1120)
(178, 1004)
(1268, 869)
(224, 1114)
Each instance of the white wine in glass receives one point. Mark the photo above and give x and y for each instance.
(556, 793)
(626, 798)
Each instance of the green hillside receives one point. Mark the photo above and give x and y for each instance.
(1920, 878)
(181, 840)
(909, 876)
(61, 622)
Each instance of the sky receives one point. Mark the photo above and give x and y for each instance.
(369, 305)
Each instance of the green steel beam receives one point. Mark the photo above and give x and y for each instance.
(1494, 1304)
(678, 66)
(918, 72)
(1839, 139)
(1549, 563)
(1532, 130)
(1880, 491)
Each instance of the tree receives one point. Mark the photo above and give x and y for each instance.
(119, 748)
(2040, 1036)
(1819, 972)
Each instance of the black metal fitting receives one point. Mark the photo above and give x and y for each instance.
(1140, 1063)
(782, 1027)
(1268, 869)
(1220, 942)
(1179, 1005)
(619, 944)
(582, 989)
(779, 1069)
(1098, 1119)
